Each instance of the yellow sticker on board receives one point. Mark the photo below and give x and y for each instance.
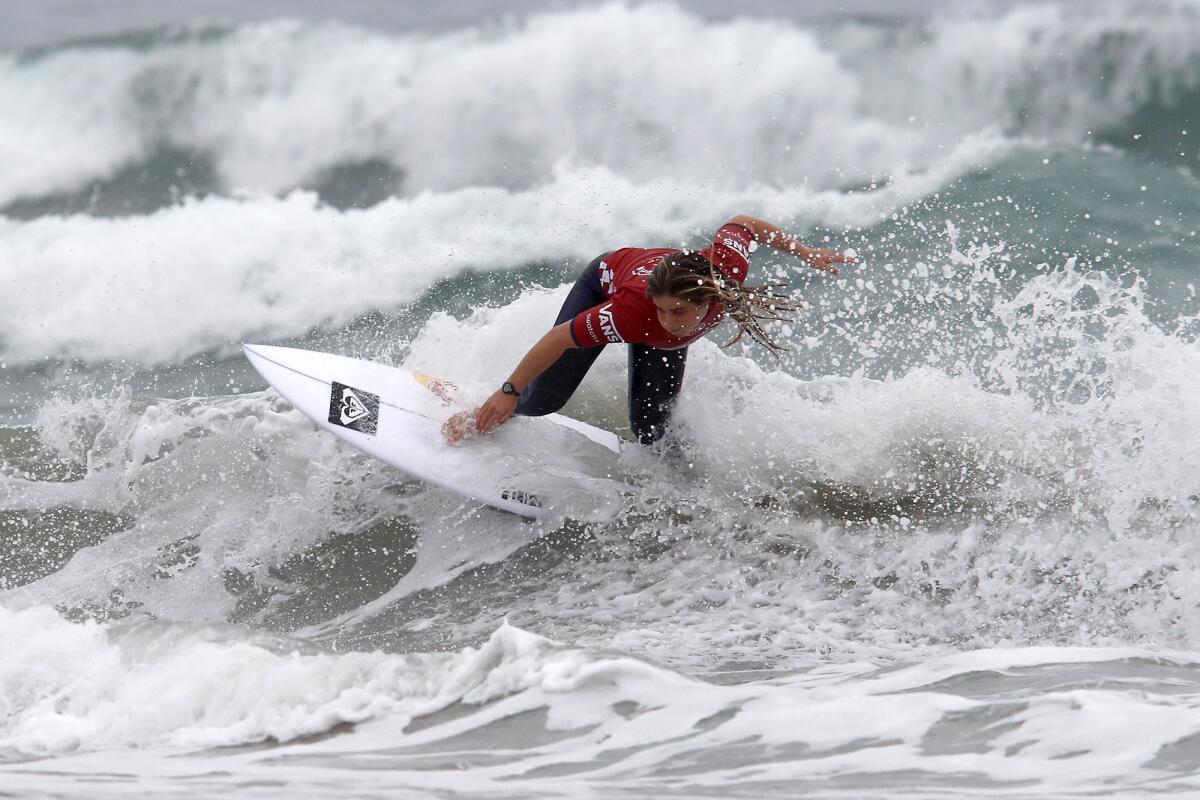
(443, 389)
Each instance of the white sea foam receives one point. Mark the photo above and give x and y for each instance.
(1033, 483)
(981, 493)
(946, 468)
(632, 88)
(210, 273)
(159, 467)
(498, 173)
(1113, 64)
(1086, 402)
(151, 697)
(716, 574)
(650, 91)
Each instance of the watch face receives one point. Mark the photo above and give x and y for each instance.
(508, 388)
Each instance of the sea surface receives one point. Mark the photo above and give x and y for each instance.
(945, 546)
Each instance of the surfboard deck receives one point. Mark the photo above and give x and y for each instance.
(396, 416)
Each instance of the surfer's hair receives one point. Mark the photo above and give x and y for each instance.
(691, 277)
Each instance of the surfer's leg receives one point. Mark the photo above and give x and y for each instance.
(655, 377)
(550, 391)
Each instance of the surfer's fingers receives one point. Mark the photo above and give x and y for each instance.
(488, 418)
(501, 417)
(825, 259)
(495, 411)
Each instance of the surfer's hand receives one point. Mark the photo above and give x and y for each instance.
(823, 259)
(495, 411)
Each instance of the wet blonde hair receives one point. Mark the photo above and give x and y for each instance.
(691, 277)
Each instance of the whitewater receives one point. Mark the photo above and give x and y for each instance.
(945, 545)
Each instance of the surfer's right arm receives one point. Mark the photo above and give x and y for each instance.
(500, 406)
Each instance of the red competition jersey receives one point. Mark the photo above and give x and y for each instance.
(630, 317)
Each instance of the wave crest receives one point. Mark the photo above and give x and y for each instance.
(648, 91)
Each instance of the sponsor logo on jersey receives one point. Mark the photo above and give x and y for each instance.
(607, 325)
(606, 277)
(737, 247)
(641, 271)
(353, 408)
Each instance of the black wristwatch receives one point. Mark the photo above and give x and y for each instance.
(508, 388)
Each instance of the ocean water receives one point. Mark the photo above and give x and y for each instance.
(945, 546)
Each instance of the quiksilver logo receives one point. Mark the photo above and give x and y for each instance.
(353, 408)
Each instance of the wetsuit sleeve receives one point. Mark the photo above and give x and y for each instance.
(596, 326)
(730, 251)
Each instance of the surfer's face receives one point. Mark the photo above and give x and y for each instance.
(679, 317)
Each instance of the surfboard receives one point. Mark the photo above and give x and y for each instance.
(396, 416)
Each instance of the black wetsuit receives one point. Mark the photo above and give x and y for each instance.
(655, 376)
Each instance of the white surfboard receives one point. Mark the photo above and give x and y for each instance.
(396, 416)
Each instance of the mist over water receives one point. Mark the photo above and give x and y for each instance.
(944, 543)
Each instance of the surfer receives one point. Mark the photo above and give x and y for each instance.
(657, 301)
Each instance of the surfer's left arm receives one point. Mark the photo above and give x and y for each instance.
(497, 409)
(771, 235)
